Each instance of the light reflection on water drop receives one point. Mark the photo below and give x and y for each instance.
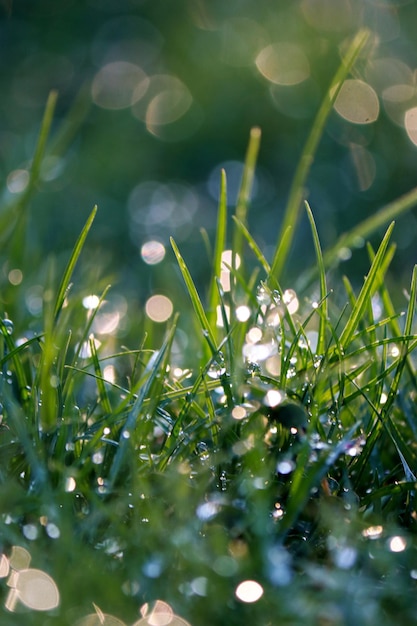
(263, 296)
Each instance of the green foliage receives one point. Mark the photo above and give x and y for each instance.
(283, 453)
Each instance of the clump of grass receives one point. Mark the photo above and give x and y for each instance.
(272, 480)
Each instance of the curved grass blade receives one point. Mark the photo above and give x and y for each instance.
(321, 341)
(65, 282)
(307, 157)
(195, 300)
(366, 292)
(362, 231)
(13, 211)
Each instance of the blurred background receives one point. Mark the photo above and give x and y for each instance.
(170, 91)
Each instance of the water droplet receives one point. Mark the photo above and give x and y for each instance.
(263, 296)
(216, 370)
(98, 457)
(203, 451)
(8, 325)
(223, 481)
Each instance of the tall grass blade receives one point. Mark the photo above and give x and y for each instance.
(366, 292)
(361, 232)
(297, 189)
(65, 282)
(321, 341)
(195, 300)
(219, 247)
(13, 211)
(246, 187)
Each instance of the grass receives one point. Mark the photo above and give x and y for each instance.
(272, 479)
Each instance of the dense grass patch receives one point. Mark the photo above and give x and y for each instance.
(265, 476)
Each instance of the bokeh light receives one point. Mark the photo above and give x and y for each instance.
(17, 181)
(357, 102)
(283, 64)
(249, 591)
(329, 15)
(152, 252)
(159, 308)
(119, 85)
(410, 123)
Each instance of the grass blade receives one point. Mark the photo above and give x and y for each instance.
(195, 300)
(246, 187)
(307, 157)
(65, 282)
(366, 292)
(362, 231)
(151, 374)
(321, 341)
(218, 249)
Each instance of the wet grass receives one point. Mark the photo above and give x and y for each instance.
(268, 479)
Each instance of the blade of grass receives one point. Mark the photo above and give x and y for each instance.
(195, 300)
(218, 249)
(366, 292)
(14, 209)
(65, 282)
(297, 191)
(153, 370)
(362, 231)
(404, 347)
(246, 188)
(321, 340)
(102, 391)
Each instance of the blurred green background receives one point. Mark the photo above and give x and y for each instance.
(174, 88)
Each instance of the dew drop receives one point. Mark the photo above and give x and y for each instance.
(263, 296)
(8, 325)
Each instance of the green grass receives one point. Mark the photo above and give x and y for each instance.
(284, 452)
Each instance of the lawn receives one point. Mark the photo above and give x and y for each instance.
(266, 474)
